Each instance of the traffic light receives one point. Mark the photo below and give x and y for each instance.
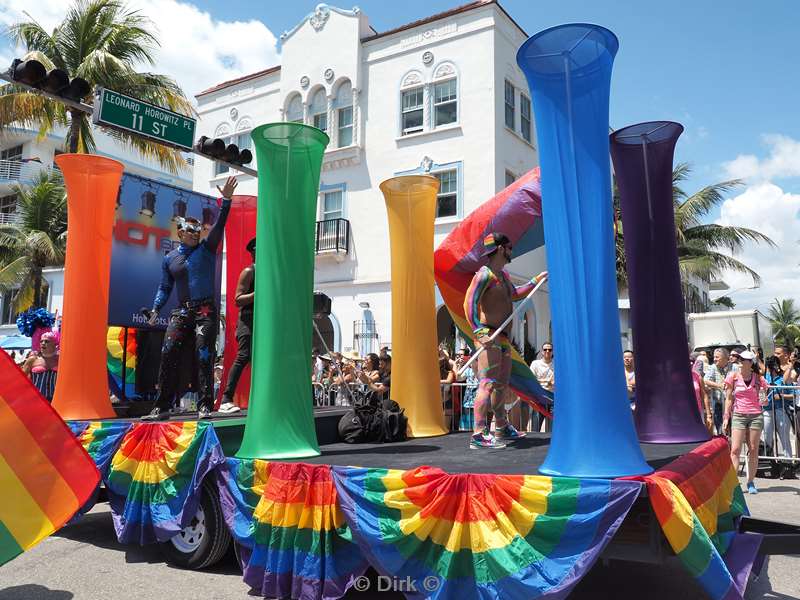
(56, 82)
(217, 149)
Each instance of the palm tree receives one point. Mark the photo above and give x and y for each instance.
(101, 41)
(785, 318)
(37, 240)
(699, 244)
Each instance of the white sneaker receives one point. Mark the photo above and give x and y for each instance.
(229, 407)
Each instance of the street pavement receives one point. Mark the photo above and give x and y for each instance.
(84, 561)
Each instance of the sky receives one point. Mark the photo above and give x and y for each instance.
(726, 70)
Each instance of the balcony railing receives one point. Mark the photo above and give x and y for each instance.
(16, 171)
(10, 218)
(333, 236)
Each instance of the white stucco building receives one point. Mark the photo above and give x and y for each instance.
(23, 155)
(442, 96)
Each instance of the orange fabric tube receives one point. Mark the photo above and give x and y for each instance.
(92, 184)
(411, 208)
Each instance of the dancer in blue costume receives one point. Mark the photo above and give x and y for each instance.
(190, 269)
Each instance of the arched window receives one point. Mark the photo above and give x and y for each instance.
(294, 110)
(445, 95)
(318, 110)
(343, 105)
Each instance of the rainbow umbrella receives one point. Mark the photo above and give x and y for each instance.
(517, 212)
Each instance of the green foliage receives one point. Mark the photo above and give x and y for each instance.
(785, 319)
(103, 42)
(724, 301)
(36, 241)
(700, 245)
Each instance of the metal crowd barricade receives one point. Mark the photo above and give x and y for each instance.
(326, 395)
(782, 426)
(461, 417)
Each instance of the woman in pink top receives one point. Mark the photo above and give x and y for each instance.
(745, 392)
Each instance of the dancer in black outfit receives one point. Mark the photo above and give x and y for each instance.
(245, 295)
(190, 268)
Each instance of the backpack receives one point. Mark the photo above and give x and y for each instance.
(395, 422)
(361, 424)
(373, 422)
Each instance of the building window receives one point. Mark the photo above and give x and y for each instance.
(345, 116)
(14, 153)
(412, 110)
(510, 178)
(294, 110)
(332, 205)
(510, 105)
(445, 103)
(7, 317)
(8, 204)
(525, 117)
(318, 110)
(343, 104)
(447, 198)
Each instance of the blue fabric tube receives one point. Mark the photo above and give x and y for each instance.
(568, 69)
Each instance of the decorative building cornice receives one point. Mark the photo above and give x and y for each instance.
(318, 18)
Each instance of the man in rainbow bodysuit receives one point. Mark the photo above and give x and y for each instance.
(489, 302)
(190, 268)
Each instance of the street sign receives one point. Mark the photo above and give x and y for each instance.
(112, 109)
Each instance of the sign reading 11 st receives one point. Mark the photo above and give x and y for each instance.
(119, 111)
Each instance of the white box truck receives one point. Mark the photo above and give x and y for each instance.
(730, 328)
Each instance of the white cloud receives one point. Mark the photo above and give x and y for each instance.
(765, 207)
(783, 161)
(197, 50)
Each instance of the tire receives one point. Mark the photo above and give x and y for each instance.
(205, 540)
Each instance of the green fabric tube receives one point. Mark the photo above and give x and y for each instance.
(280, 418)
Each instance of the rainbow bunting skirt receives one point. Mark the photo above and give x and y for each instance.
(697, 500)
(155, 478)
(298, 544)
(481, 536)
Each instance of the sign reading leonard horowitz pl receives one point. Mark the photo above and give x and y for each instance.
(119, 111)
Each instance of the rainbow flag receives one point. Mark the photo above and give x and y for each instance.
(299, 544)
(154, 482)
(118, 347)
(101, 439)
(45, 475)
(697, 500)
(481, 536)
(241, 485)
(517, 212)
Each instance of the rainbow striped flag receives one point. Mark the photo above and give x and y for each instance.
(155, 478)
(241, 485)
(45, 475)
(697, 500)
(101, 439)
(300, 545)
(515, 211)
(121, 375)
(481, 536)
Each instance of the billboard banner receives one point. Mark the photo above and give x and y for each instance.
(144, 231)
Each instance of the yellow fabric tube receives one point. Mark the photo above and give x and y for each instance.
(411, 207)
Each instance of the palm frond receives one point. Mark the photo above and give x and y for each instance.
(34, 38)
(691, 211)
(707, 263)
(716, 236)
(13, 273)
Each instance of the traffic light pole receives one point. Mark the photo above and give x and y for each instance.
(89, 110)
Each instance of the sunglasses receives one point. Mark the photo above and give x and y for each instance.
(192, 228)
